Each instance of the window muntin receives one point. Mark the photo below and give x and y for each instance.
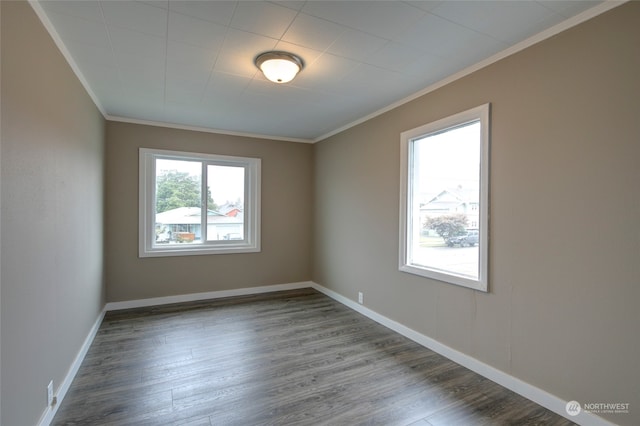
(444, 199)
(198, 203)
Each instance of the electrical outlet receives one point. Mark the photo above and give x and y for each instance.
(360, 297)
(50, 400)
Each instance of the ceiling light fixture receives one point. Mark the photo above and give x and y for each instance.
(279, 67)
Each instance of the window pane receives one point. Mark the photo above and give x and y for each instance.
(225, 217)
(198, 204)
(444, 233)
(178, 209)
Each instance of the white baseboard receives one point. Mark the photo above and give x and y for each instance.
(510, 382)
(50, 412)
(141, 303)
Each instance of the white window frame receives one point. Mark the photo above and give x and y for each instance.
(408, 211)
(147, 246)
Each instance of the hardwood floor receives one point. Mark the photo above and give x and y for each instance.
(286, 358)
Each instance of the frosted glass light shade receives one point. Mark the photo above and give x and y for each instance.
(279, 67)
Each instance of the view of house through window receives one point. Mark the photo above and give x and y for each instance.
(179, 201)
(226, 220)
(444, 207)
(446, 192)
(193, 200)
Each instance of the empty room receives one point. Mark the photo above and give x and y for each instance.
(402, 213)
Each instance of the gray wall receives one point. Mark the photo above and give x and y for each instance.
(286, 217)
(562, 312)
(52, 215)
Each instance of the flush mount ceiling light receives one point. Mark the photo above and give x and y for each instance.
(279, 67)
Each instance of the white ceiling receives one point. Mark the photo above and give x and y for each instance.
(191, 62)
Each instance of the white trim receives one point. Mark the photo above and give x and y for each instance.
(535, 394)
(146, 202)
(205, 129)
(50, 412)
(537, 38)
(192, 297)
(510, 382)
(61, 392)
(35, 5)
(409, 211)
(549, 32)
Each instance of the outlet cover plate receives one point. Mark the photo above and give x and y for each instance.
(50, 393)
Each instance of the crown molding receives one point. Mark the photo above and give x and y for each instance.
(550, 32)
(537, 38)
(37, 8)
(204, 129)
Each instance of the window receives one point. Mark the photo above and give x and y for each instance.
(198, 204)
(444, 199)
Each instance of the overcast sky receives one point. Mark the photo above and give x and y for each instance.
(446, 160)
(226, 183)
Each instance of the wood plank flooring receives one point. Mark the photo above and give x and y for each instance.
(286, 358)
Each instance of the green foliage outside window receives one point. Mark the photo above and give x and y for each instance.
(179, 189)
(447, 226)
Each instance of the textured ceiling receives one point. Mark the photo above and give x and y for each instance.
(191, 62)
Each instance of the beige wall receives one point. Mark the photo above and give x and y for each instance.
(52, 215)
(286, 217)
(562, 312)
